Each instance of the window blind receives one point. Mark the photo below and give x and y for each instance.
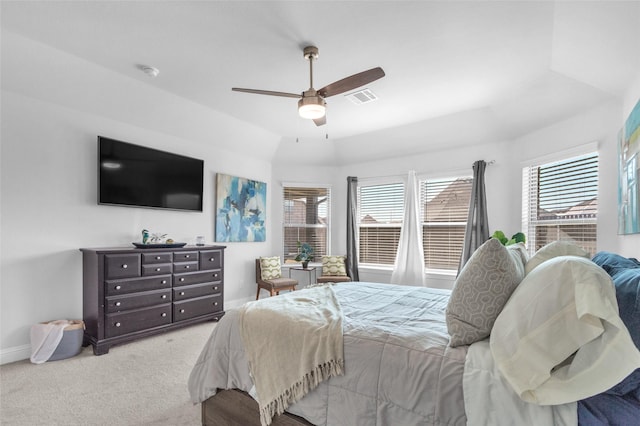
(560, 202)
(381, 211)
(445, 208)
(306, 218)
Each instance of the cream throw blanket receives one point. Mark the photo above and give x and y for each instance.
(293, 342)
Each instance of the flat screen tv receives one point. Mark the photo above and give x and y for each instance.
(133, 175)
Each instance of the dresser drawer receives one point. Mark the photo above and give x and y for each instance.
(116, 287)
(122, 265)
(157, 258)
(127, 322)
(185, 256)
(210, 259)
(157, 269)
(197, 277)
(185, 267)
(191, 291)
(196, 307)
(137, 300)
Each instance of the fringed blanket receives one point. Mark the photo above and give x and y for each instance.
(293, 342)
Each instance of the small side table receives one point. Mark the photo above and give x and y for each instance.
(311, 270)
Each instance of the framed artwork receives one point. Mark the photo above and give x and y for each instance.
(241, 209)
(629, 174)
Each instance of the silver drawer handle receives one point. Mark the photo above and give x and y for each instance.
(212, 259)
(215, 287)
(215, 275)
(117, 303)
(118, 287)
(158, 257)
(157, 269)
(181, 279)
(164, 314)
(186, 267)
(186, 255)
(182, 293)
(215, 303)
(117, 324)
(125, 266)
(164, 281)
(182, 311)
(164, 296)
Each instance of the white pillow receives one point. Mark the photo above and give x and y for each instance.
(559, 338)
(554, 249)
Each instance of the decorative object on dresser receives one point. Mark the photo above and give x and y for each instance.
(130, 293)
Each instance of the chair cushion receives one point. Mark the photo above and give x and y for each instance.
(270, 268)
(282, 282)
(333, 279)
(334, 266)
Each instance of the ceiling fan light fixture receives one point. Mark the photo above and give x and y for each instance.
(312, 107)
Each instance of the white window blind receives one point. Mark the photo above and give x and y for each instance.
(445, 208)
(560, 202)
(306, 218)
(381, 211)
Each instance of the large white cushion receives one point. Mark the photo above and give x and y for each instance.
(559, 338)
(554, 249)
(482, 289)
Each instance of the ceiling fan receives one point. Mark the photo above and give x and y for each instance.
(311, 102)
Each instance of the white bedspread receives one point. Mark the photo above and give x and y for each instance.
(490, 400)
(399, 369)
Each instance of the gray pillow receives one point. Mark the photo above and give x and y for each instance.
(482, 289)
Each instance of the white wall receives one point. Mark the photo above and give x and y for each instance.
(49, 178)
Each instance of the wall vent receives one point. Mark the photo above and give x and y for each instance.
(362, 96)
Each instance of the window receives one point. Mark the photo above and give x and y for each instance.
(381, 210)
(306, 219)
(445, 208)
(560, 202)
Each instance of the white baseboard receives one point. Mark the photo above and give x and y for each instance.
(17, 353)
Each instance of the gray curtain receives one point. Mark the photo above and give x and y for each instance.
(352, 228)
(477, 231)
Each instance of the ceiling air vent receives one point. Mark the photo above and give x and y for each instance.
(361, 96)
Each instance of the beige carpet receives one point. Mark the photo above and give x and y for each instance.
(139, 383)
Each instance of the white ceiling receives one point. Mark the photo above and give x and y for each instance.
(516, 66)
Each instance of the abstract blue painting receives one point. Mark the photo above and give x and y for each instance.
(629, 174)
(241, 209)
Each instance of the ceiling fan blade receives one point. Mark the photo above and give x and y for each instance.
(267, 92)
(351, 82)
(320, 121)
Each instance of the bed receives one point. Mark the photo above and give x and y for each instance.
(400, 369)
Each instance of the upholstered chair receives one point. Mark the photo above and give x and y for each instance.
(269, 277)
(334, 269)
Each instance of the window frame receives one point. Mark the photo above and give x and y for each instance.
(319, 250)
(530, 202)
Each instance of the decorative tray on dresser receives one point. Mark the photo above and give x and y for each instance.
(130, 293)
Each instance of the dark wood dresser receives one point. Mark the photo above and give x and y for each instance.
(130, 293)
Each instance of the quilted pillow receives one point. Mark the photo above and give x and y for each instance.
(559, 336)
(554, 249)
(270, 267)
(482, 289)
(334, 266)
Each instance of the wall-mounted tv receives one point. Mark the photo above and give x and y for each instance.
(133, 175)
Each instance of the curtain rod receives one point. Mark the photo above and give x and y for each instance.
(489, 163)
